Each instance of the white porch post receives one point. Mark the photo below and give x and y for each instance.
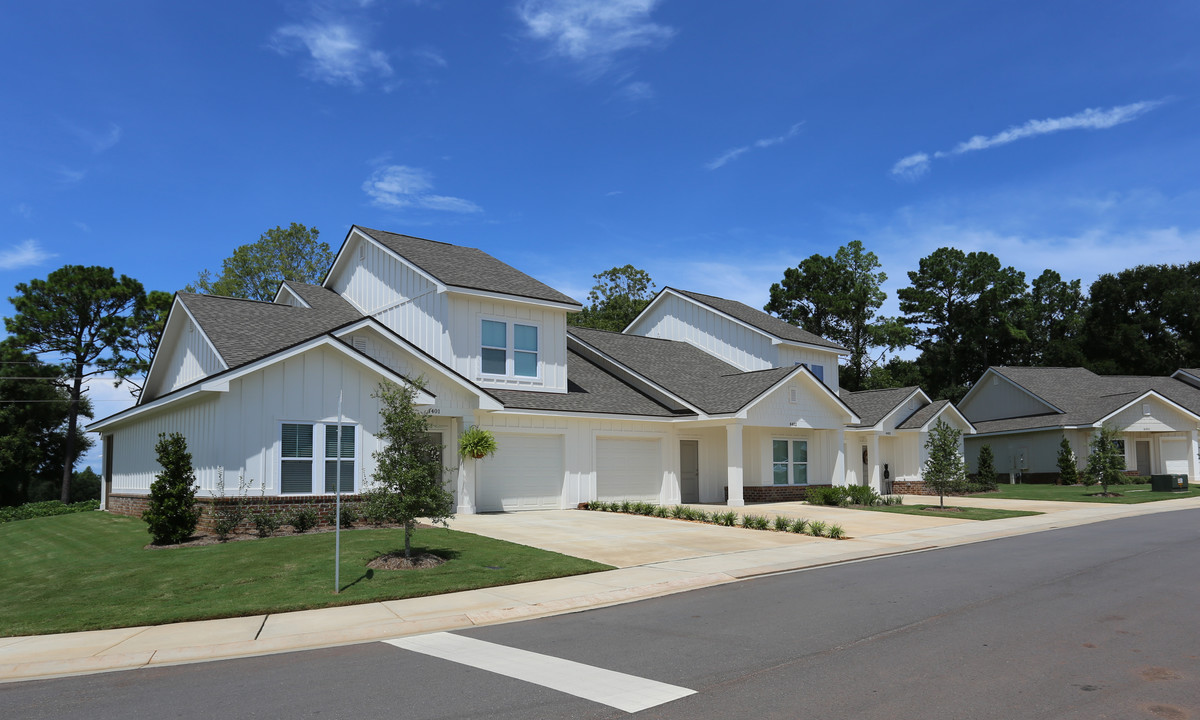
(876, 466)
(465, 477)
(839, 461)
(733, 453)
(1193, 459)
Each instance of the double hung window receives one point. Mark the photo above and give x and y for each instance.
(508, 349)
(307, 447)
(789, 462)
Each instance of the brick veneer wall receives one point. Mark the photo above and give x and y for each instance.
(773, 493)
(325, 505)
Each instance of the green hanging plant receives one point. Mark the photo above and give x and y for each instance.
(476, 443)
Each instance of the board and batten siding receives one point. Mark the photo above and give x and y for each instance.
(789, 355)
(1152, 415)
(238, 430)
(1040, 449)
(449, 397)
(466, 316)
(674, 318)
(191, 358)
(398, 296)
(811, 409)
(825, 459)
(999, 398)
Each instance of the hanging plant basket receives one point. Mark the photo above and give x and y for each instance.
(476, 443)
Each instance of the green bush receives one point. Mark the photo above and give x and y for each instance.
(728, 518)
(172, 513)
(302, 519)
(643, 508)
(45, 509)
(677, 511)
(266, 522)
(985, 477)
(835, 531)
(660, 511)
(756, 522)
(626, 506)
(817, 528)
(799, 525)
(782, 523)
(349, 514)
(893, 500)
(860, 495)
(824, 495)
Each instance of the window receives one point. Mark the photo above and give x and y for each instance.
(1120, 446)
(818, 370)
(789, 462)
(299, 457)
(512, 353)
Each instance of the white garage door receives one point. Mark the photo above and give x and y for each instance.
(628, 469)
(1174, 455)
(526, 473)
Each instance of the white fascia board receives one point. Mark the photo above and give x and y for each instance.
(949, 406)
(355, 231)
(1143, 396)
(486, 402)
(459, 290)
(1014, 383)
(878, 427)
(1187, 377)
(220, 383)
(581, 415)
(284, 288)
(821, 387)
(173, 323)
(638, 376)
(808, 346)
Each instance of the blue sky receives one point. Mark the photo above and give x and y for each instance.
(711, 143)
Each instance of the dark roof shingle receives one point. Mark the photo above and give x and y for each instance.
(466, 267)
(759, 319)
(874, 405)
(590, 389)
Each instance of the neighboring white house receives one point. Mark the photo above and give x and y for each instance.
(700, 399)
(1024, 413)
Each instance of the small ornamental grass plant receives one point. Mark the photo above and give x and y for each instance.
(781, 523)
(798, 526)
(727, 518)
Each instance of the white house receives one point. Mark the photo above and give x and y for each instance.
(698, 400)
(1023, 414)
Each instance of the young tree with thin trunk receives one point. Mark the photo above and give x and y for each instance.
(1106, 462)
(945, 469)
(985, 476)
(79, 314)
(1068, 471)
(408, 471)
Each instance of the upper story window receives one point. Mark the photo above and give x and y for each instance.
(509, 348)
(818, 370)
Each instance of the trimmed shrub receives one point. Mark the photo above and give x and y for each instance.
(48, 508)
(816, 528)
(798, 526)
(349, 514)
(824, 495)
(302, 519)
(835, 531)
(172, 513)
(985, 477)
(860, 495)
(266, 523)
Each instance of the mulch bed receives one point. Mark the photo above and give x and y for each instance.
(203, 539)
(396, 561)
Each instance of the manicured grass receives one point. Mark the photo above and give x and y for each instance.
(1130, 494)
(965, 513)
(90, 571)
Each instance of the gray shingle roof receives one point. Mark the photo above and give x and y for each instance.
(873, 405)
(589, 389)
(245, 330)
(759, 319)
(686, 371)
(923, 415)
(466, 267)
(1083, 396)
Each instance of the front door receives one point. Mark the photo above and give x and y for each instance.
(689, 471)
(1142, 449)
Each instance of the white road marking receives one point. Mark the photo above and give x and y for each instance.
(624, 692)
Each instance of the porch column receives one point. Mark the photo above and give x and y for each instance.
(1194, 458)
(876, 465)
(733, 455)
(839, 460)
(465, 477)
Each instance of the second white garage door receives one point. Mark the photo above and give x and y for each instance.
(628, 469)
(1174, 455)
(526, 473)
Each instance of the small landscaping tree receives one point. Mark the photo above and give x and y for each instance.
(985, 476)
(945, 470)
(1106, 462)
(1068, 471)
(172, 514)
(408, 473)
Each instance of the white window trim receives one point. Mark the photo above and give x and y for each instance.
(790, 462)
(318, 458)
(510, 351)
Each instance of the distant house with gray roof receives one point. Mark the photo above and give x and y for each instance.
(700, 399)
(1023, 413)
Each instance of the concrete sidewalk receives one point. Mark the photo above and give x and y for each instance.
(655, 557)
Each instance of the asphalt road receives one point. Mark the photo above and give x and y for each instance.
(1097, 621)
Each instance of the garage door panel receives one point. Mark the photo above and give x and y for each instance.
(628, 469)
(1174, 455)
(526, 473)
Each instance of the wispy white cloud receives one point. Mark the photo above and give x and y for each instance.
(70, 175)
(97, 140)
(635, 91)
(430, 57)
(730, 155)
(338, 47)
(917, 164)
(399, 187)
(24, 254)
(24, 210)
(593, 32)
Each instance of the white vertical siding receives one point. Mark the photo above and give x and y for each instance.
(1162, 418)
(812, 408)
(190, 358)
(466, 314)
(823, 449)
(677, 319)
(789, 356)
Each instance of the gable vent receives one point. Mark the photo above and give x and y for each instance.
(359, 343)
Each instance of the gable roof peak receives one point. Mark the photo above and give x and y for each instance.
(759, 320)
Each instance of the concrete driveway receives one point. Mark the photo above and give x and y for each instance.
(625, 540)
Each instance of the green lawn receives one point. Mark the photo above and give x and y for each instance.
(1077, 493)
(90, 571)
(965, 513)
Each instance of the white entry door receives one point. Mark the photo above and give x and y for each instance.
(628, 469)
(526, 473)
